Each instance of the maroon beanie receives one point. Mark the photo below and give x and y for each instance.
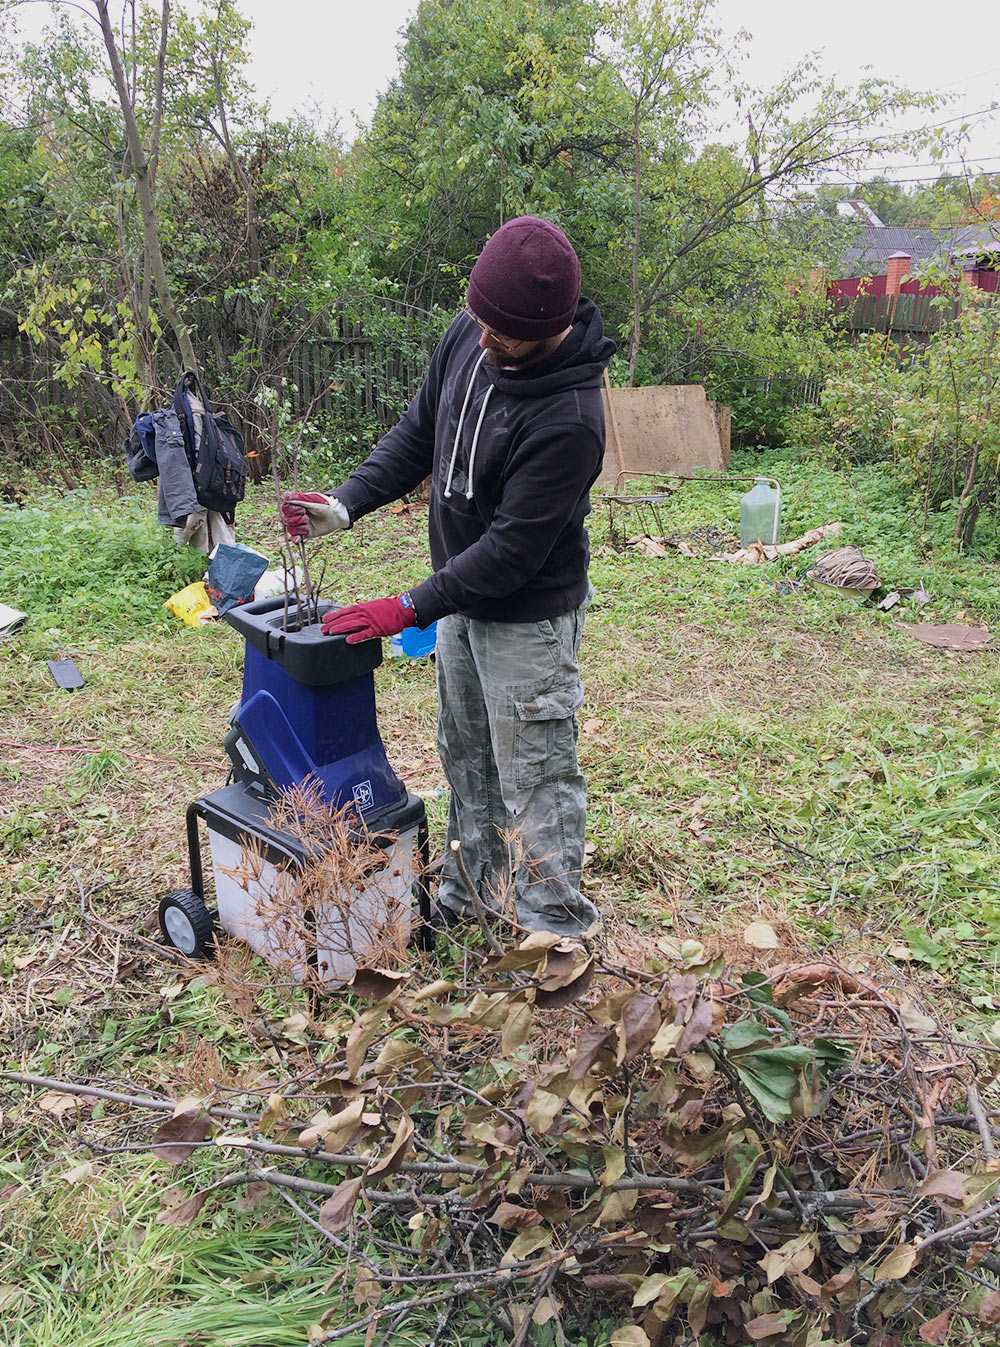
(526, 283)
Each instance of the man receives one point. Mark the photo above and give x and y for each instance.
(509, 424)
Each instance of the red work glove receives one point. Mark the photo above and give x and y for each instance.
(310, 514)
(366, 621)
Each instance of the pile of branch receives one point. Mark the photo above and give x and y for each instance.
(752, 555)
(794, 1158)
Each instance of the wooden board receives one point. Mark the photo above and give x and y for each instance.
(666, 428)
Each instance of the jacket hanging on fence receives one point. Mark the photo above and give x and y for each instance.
(176, 498)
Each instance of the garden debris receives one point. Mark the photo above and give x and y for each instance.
(713, 544)
(11, 621)
(918, 596)
(947, 635)
(192, 605)
(232, 574)
(847, 570)
(677, 1147)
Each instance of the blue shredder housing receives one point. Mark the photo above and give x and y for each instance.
(307, 710)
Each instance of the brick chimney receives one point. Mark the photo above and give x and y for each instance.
(896, 272)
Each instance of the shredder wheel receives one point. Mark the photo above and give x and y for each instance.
(186, 923)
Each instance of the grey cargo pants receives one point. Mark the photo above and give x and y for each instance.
(508, 693)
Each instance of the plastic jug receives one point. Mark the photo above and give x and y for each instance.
(760, 514)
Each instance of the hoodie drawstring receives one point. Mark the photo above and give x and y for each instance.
(458, 433)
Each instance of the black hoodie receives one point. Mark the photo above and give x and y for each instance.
(512, 547)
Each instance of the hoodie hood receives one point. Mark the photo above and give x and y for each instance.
(578, 361)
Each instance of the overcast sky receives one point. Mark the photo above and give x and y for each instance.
(337, 55)
(332, 58)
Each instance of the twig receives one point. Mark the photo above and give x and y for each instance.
(982, 1122)
(477, 902)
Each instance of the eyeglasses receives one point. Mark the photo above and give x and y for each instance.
(503, 342)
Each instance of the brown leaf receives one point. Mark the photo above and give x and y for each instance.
(372, 984)
(898, 1264)
(640, 1021)
(989, 1308)
(334, 1132)
(254, 1195)
(516, 1028)
(935, 1330)
(589, 1045)
(335, 1213)
(629, 1336)
(567, 993)
(769, 1325)
(529, 954)
(176, 1138)
(914, 1018)
(58, 1102)
(607, 1282)
(977, 1252)
(697, 1028)
(510, 1216)
(946, 1183)
(362, 1032)
(563, 963)
(592, 727)
(396, 1153)
(761, 935)
(177, 1210)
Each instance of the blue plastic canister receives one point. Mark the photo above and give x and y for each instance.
(414, 641)
(760, 514)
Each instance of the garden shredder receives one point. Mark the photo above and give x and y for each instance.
(305, 723)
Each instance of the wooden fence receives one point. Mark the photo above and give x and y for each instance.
(330, 366)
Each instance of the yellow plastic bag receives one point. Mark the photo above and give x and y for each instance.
(192, 605)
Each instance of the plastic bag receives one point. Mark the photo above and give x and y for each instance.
(232, 574)
(192, 605)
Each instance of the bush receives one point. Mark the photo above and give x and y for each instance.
(97, 566)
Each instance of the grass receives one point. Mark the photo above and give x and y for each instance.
(796, 758)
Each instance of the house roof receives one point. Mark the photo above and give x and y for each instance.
(875, 244)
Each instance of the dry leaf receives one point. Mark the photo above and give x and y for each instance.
(24, 960)
(989, 1308)
(335, 1213)
(372, 984)
(592, 726)
(175, 1139)
(897, 1265)
(629, 1336)
(59, 1103)
(914, 1018)
(396, 1153)
(178, 1210)
(760, 935)
(80, 1173)
(509, 1216)
(947, 1183)
(935, 1330)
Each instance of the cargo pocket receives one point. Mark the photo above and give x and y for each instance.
(544, 732)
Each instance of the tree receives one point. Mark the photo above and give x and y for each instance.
(599, 116)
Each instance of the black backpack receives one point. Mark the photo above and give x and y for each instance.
(218, 463)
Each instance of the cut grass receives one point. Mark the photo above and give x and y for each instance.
(796, 759)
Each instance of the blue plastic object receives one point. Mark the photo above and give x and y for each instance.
(415, 641)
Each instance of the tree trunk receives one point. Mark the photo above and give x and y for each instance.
(633, 350)
(144, 186)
